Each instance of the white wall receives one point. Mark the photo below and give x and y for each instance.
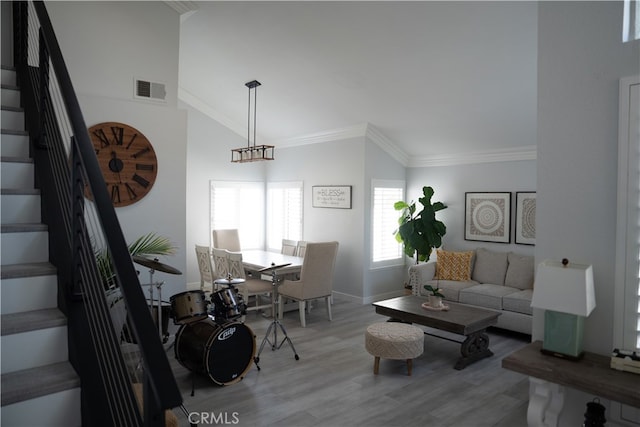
(330, 163)
(450, 184)
(580, 60)
(209, 158)
(105, 46)
(386, 282)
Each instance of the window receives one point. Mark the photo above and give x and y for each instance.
(239, 205)
(284, 213)
(627, 308)
(631, 21)
(386, 250)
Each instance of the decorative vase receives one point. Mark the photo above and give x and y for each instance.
(435, 301)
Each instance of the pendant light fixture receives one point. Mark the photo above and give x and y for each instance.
(252, 152)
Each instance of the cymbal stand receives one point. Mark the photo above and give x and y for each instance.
(153, 302)
(275, 324)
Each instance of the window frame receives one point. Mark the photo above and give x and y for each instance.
(384, 183)
(245, 242)
(268, 208)
(627, 284)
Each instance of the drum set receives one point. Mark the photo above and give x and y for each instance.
(211, 340)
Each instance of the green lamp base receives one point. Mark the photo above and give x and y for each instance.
(563, 335)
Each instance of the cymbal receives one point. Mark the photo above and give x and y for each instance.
(273, 267)
(228, 282)
(154, 264)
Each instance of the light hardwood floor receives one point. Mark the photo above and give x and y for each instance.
(333, 382)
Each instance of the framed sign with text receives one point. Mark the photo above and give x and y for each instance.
(331, 196)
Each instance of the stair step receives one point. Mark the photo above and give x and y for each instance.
(20, 294)
(17, 172)
(10, 95)
(35, 382)
(20, 206)
(33, 338)
(12, 117)
(14, 143)
(24, 243)
(57, 409)
(8, 76)
(17, 323)
(29, 269)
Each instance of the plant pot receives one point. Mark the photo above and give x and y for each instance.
(435, 301)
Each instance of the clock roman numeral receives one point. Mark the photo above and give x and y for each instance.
(118, 134)
(115, 193)
(135, 135)
(104, 141)
(132, 194)
(140, 180)
(141, 152)
(144, 167)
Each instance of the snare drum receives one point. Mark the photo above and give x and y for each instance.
(188, 307)
(223, 352)
(228, 304)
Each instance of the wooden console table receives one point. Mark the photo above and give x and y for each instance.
(592, 374)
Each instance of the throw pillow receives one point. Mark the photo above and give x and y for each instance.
(490, 267)
(453, 265)
(520, 271)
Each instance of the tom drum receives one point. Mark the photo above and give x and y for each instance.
(188, 307)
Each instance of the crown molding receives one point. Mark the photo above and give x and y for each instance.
(528, 152)
(370, 132)
(182, 7)
(387, 145)
(347, 132)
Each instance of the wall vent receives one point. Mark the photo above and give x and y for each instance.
(153, 91)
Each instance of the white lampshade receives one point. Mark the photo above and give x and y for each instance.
(566, 289)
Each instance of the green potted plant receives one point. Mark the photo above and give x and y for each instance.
(420, 232)
(435, 297)
(148, 244)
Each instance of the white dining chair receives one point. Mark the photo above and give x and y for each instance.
(252, 287)
(228, 239)
(289, 247)
(203, 255)
(316, 279)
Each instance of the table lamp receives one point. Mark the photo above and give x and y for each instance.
(565, 290)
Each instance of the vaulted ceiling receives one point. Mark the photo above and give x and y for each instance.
(434, 79)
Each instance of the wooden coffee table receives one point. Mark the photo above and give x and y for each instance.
(472, 322)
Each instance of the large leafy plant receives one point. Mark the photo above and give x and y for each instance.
(148, 244)
(420, 232)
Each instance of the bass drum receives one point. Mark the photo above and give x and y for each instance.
(223, 352)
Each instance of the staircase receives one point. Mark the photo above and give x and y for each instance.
(39, 385)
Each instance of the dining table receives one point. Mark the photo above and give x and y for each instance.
(255, 260)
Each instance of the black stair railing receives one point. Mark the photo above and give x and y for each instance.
(81, 220)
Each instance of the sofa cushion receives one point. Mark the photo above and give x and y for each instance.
(520, 271)
(453, 265)
(449, 288)
(486, 295)
(520, 301)
(490, 267)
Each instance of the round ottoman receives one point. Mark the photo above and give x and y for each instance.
(394, 340)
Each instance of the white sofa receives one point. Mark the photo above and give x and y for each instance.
(499, 281)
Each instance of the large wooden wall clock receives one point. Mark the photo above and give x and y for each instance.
(127, 161)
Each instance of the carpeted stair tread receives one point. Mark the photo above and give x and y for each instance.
(15, 323)
(35, 382)
(27, 269)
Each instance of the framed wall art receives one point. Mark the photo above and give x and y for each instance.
(526, 217)
(487, 217)
(331, 196)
